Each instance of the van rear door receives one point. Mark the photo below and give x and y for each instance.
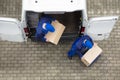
(11, 30)
(100, 28)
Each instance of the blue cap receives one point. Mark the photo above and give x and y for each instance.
(49, 27)
(88, 44)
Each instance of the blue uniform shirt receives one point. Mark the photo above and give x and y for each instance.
(78, 46)
(40, 31)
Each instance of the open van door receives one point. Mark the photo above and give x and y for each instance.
(100, 28)
(11, 30)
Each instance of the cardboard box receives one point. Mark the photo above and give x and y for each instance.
(54, 37)
(89, 57)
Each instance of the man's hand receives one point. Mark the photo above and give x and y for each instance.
(47, 40)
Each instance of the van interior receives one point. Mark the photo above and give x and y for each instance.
(71, 20)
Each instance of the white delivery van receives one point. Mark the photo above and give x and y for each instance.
(71, 13)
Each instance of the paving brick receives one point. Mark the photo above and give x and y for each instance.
(41, 61)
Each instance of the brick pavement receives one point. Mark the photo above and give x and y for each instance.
(41, 61)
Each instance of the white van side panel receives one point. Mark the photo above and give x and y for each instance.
(100, 28)
(54, 5)
(11, 30)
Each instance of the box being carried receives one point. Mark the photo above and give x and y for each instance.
(54, 37)
(91, 55)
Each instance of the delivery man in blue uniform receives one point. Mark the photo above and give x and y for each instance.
(80, 46)
(44, 26)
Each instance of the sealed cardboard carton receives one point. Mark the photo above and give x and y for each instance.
(54, 37)
(89, 57)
